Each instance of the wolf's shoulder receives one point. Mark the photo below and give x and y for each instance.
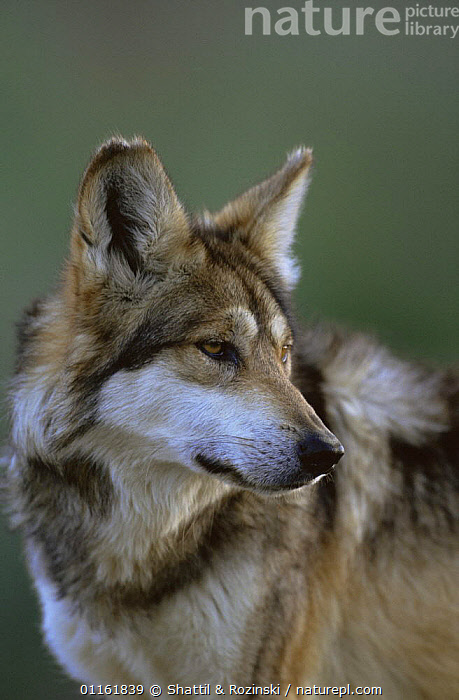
(357, 375)
(398, 421)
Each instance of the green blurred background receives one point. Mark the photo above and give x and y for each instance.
(378, 240)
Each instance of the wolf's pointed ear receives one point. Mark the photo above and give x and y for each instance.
(265, 217)
(126, 206)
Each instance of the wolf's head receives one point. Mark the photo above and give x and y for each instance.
(178, 329)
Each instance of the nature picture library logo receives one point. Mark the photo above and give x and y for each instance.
(316, 19)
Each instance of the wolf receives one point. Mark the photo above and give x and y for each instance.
(210, 494)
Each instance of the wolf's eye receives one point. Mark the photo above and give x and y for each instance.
(219, 351)
(285, 353)
(212, 348)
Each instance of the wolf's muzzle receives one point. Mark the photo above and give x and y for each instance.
(318, 456)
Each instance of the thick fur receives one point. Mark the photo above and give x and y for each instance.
(168, 452)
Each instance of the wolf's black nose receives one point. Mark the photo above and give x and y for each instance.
(318, 456)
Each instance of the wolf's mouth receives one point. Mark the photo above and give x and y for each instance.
(215, 466)
(280, 482)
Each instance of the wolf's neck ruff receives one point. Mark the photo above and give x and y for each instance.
(166, 412)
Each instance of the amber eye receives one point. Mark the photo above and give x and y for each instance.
(222, 351)
(285, 354)
(212, 348)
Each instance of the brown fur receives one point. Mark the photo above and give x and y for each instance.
(157, 485)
